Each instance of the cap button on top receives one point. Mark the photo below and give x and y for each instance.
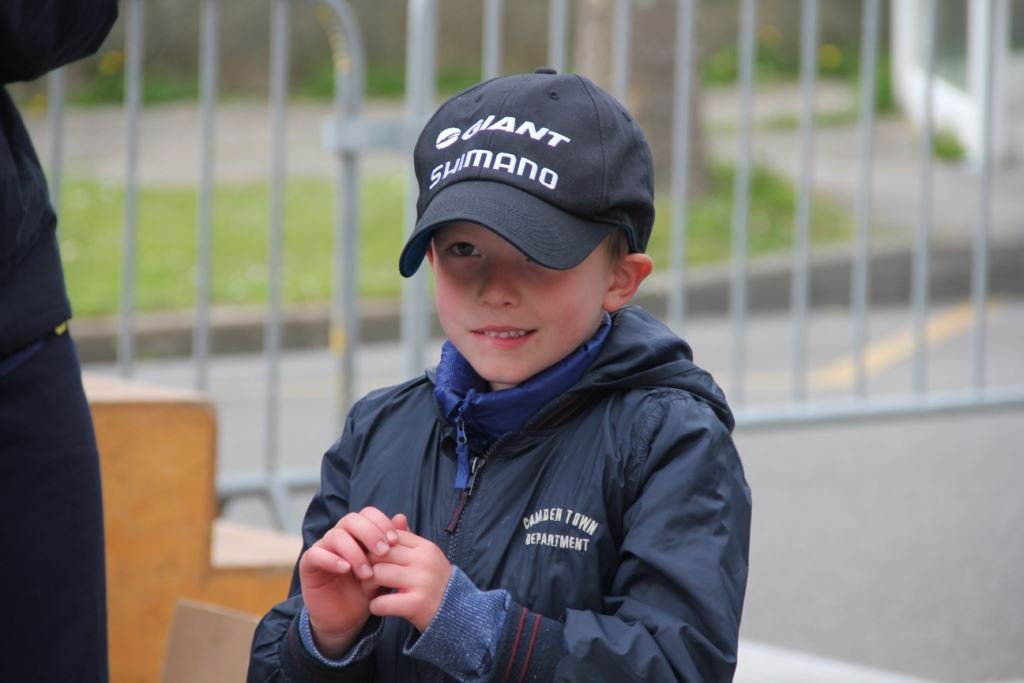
(546, 70)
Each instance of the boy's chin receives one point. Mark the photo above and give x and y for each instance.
(501, 380)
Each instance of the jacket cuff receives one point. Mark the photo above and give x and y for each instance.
(462, 637)
(301, 664)
(530, 647)
(363, 646)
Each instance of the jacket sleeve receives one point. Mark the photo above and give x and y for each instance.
(672, 611)
(278, 653)
(39, 35)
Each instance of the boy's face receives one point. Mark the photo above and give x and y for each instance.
(508, 316)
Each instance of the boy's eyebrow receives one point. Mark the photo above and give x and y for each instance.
(453, 232)
(449, 239)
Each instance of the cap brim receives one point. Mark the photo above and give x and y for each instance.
(551, 237)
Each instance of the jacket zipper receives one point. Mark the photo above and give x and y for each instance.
(475, 466)
(460, 508)
(464, 495)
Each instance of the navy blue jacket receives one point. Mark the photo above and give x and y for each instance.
(35, 37)
(618, 519)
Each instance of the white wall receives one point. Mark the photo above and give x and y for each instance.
(955, 108)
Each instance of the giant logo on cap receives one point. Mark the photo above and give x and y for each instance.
(449, 136)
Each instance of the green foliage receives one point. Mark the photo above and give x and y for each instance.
(452, 79)
(92, 215)
(885, 100)
(770, 223)
(947, 147)
(774, 65)
(386, 82)
(104, 83)
(318, 84)
(156, 89)
(825, 119)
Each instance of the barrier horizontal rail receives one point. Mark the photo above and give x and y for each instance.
(348, 136)
(782, 416)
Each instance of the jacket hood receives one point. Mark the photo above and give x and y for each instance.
(641, 352)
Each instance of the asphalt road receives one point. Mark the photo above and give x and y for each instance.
(895, 544)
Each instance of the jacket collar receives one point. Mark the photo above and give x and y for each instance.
(487, 415)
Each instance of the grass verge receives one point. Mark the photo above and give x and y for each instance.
(92, 218)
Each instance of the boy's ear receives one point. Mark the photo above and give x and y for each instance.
(627, 274)
(430, 253)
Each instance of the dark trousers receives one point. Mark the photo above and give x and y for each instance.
(52, 583)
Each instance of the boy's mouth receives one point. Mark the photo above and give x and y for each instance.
(503, 332)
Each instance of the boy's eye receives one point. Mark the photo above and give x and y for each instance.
(463, 249)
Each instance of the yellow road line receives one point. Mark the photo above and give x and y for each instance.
(893, 349)
(879, 356)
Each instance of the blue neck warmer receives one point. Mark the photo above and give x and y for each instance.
(481, 417)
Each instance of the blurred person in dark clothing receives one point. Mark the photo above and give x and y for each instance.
(52, 583)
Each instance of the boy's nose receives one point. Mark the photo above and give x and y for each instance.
(498, 286)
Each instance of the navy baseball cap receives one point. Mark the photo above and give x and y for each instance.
(548, 161)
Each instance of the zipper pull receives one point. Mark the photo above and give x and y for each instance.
(474, 468)
(464, 495)
(461, 453)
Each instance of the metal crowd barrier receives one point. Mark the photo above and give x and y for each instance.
(350, 135)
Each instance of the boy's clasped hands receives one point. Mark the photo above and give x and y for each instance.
(348, 575)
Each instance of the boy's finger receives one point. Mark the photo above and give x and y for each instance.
(408, 538)
(366, 532)
(382, 522)
(387, 575)
(401, 522)
(319, 557)
(371, 585)
(341, 543)
(401, 555)
(389, 605)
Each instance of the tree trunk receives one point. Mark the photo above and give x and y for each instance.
(652, 93)
(651, 82)
(592, 30)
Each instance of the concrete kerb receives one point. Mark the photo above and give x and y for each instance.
(241, 329)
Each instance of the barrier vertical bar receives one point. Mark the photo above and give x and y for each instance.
(741, 202)
(349, 70)
(802, 233)
(345, 327)
(279, 49)
(421, 45)
(56, 87)
(686, 11)
(621, 27)
(208, 67)
(558, 29)
(979, 247)
(135, 53)
(922, 235)
(861, 267)
(492, 42)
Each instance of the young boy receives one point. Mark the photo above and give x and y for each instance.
(560, 498)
